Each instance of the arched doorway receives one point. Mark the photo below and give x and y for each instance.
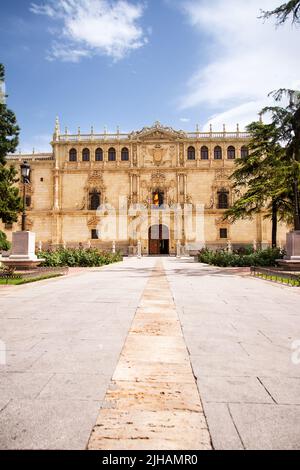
(159, 240)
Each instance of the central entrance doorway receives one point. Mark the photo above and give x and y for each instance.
(159, 240)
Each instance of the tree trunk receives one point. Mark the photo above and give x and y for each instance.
(274, 224)
(296, 205)
(296, 154)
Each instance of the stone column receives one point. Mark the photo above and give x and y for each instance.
(56, 190)
(139, 249)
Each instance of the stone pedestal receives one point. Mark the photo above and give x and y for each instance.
(293, 245)
(292, 261)
(23, 251)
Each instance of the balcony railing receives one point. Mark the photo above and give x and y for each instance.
(205, 136)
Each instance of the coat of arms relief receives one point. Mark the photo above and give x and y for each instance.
(158, 154)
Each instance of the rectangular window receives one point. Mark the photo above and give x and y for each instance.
(8, 226)
(94, 235)
(158, 199)
(223, 233)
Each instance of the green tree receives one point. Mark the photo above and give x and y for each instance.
(286, 120)
(269, 178)
(10, 202)
(259, 179)
(284, 11)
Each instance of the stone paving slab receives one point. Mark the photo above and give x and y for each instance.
(233, 390)
(268, 427)
(47, 424)
(160, 372)
(283, 390)
(146, 430)
(149, 396)
(221, 427)
(153, 401)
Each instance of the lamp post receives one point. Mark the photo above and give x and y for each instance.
(25, 173)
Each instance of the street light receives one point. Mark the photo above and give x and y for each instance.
(25, 173)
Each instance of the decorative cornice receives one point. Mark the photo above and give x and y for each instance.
(158, 131)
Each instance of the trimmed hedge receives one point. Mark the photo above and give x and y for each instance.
(85, 258)
(224, 258)
(4, 243)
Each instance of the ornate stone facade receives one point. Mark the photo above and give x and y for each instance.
(155, 166)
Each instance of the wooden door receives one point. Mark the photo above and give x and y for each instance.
(154, 247)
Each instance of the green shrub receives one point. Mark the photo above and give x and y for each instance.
(70, 257)
(224, 258)
(4, 243)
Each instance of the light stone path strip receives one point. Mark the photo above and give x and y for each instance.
(153, 400)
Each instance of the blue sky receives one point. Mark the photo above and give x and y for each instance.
(129, 63)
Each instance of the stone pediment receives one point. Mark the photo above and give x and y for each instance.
(158, 132)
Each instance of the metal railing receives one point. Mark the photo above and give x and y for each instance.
(276, 275)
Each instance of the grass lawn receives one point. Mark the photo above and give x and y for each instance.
(17, 282)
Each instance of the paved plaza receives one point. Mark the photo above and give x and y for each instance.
(154, 353)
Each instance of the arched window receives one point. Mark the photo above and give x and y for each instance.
(218, 153)
(85, 155)
(204, 153)
(99, 155)
(73, 155)
(231, 153)
(223, 199)
(95, 200)
(244, 152)
(125, 155)
(112, 155)
(191, 153)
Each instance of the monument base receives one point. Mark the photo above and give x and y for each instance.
(23, 252)
(290, 264)
(292, 260)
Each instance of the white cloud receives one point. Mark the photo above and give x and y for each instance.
(184, 119)
(93, 27)
(248, 58)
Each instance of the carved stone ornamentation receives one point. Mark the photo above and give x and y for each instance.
(94, 183)
(158, 132)
(93, 222)
(95, 180)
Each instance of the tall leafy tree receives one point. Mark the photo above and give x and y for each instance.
(269, 178)
(10, 202)
(286, 120)
(258, 179)
(285, 11)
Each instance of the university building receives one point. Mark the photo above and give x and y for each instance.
(165, 172)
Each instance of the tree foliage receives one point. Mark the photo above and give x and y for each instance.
(259, 179)
(10, 202)
(286, 120)
(9, 130)
(269, 177)
(284, 12)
